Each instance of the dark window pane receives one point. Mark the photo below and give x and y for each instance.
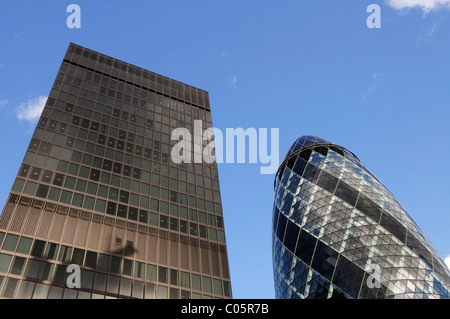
(35, 173)
(324, 260)
(348, 276)
(368, 207)
(327, 181)
(52, 251)
(58, 180)
(162, 274)
(42, 191)
(111, 208)
(91, 259)
(38, 248)
(299, 166)
(107, 165)
(346, 193)
(126, 170)
(393, 226)
(311, 173)
(47, 177)
(78, 256)
(95, 175)
(143, 216)
(290, 238)
(122, 211)
(24, 170)
(124, 196)
(17, 266)
(305, 154)
(127, 267)
(305, 246)
(281, 226)
(133, 213)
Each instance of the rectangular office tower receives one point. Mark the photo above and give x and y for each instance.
(99, 208)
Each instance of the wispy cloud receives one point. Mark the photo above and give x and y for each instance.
(3, 103)
(426, 34)
(376, 77)
(31, 110)
(224, 55)
(425, 5)
(234, 81)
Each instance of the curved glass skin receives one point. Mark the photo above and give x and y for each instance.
(339, 233)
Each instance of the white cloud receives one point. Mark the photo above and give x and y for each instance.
(426, 35)
(425, 5)
(376, 76)
(234, 81)
(447, 261)
(31, 110)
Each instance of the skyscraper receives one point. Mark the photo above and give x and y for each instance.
(339, 233)
(98, 189)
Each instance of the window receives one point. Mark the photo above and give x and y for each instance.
(133, 213)
(24, 170)
(95, 175)
(58, 180)
(127, 267)
(124, 196)
(47, 177)
(91, 259)
(24, 245)
(115, 264)
(162, 274)
(65, 253)
(122, 211)
(78, 256)
(32, 268)
(10, 242)
(10, 287)
(35, 173)
(5, 260)
(52, 251)
(103, 262)
(18, 266)
(42, 191)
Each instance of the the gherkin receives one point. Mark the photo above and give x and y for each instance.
(338, 232)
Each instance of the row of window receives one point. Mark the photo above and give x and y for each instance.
(67, 147)
(129, 73)
(113, 193)
(151, 149)
(89, 186)
(132, 213)
(141, 114)
(105, 286)
(182, 193)
(116, 162)
(46, 270)
(126, 97)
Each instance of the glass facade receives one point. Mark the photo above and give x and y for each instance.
(339, 233)
(97, 188)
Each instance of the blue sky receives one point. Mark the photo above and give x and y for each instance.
(305, 67)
